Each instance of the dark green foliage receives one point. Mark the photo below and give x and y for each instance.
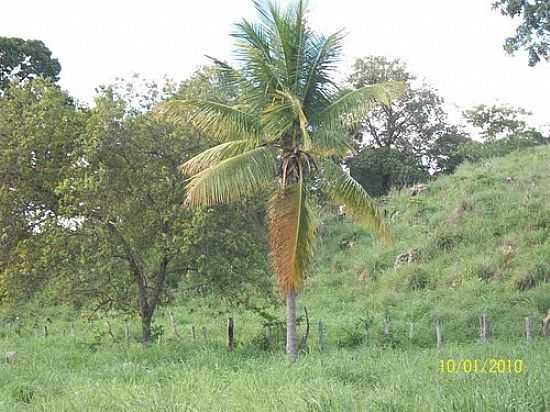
(381, 169)
(40, 136)
(26, 59)
(476, 151)
(352, 337)
(404, 142)
(533, 31)
(157, 331)
(538, 274)
(23, 393)
(108, 230)
(229, 249)
(419, 279)
(446, 240)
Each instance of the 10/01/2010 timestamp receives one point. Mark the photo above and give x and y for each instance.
(490, 365)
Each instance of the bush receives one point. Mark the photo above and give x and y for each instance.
(444, 241)
(379, 170)
(418, 280)
(476, 151)
(353, 337)
(538, 275)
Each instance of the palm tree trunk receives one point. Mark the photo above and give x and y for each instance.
(291, 339)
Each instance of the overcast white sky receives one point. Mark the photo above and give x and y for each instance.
(455, 45)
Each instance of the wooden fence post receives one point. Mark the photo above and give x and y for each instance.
(438, 333)
(303, 343)
(174, 324)
(205, 333)
(269, 336)
(366, 324)
(483, 328)
(230, 334)
(546, 325)
(45, 331)
(10, 357)
(193, 333)
(528, 328)
(72, 329)
(321, 336)
(386, 326)
(126, 331)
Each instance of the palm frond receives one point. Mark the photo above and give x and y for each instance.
(300, 24)
(344, 189)
(277, 117)
(215, 155)
(331, 142)
(291, 235)
(288, 41)
(323, 56)
(219, 120)
(233, 179)
(288, 37)
(253, 51)
(354, 105)
(232, 77)
(299, 116)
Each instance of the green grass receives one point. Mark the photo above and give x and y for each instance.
(63, 374)
(460, 228)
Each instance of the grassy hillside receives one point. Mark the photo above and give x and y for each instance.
(481, 243)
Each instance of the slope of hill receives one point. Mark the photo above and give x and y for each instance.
(477, 241)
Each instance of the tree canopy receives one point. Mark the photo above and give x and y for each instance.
(26, 59)
(403, 142)
(533, 31)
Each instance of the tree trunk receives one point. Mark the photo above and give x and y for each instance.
(146, 320)
(291, 339)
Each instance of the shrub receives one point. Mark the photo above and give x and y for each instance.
(23, 393)
(353, 337)
(418, 280)
(475, 151)
(535, 277)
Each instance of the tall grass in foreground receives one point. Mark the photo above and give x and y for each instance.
(66, 374)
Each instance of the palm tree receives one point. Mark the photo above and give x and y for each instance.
(288, 126)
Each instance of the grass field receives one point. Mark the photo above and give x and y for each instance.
(481, 240)
(69, 374)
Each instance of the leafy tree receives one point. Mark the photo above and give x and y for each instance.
(502, 122)
(289, 123)
(533, 33)
(125, 240)
(228, 252)
(405, 141)
(26, 59)
(446, 150)
(379, 169)
(40, 131)
(502, 129)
